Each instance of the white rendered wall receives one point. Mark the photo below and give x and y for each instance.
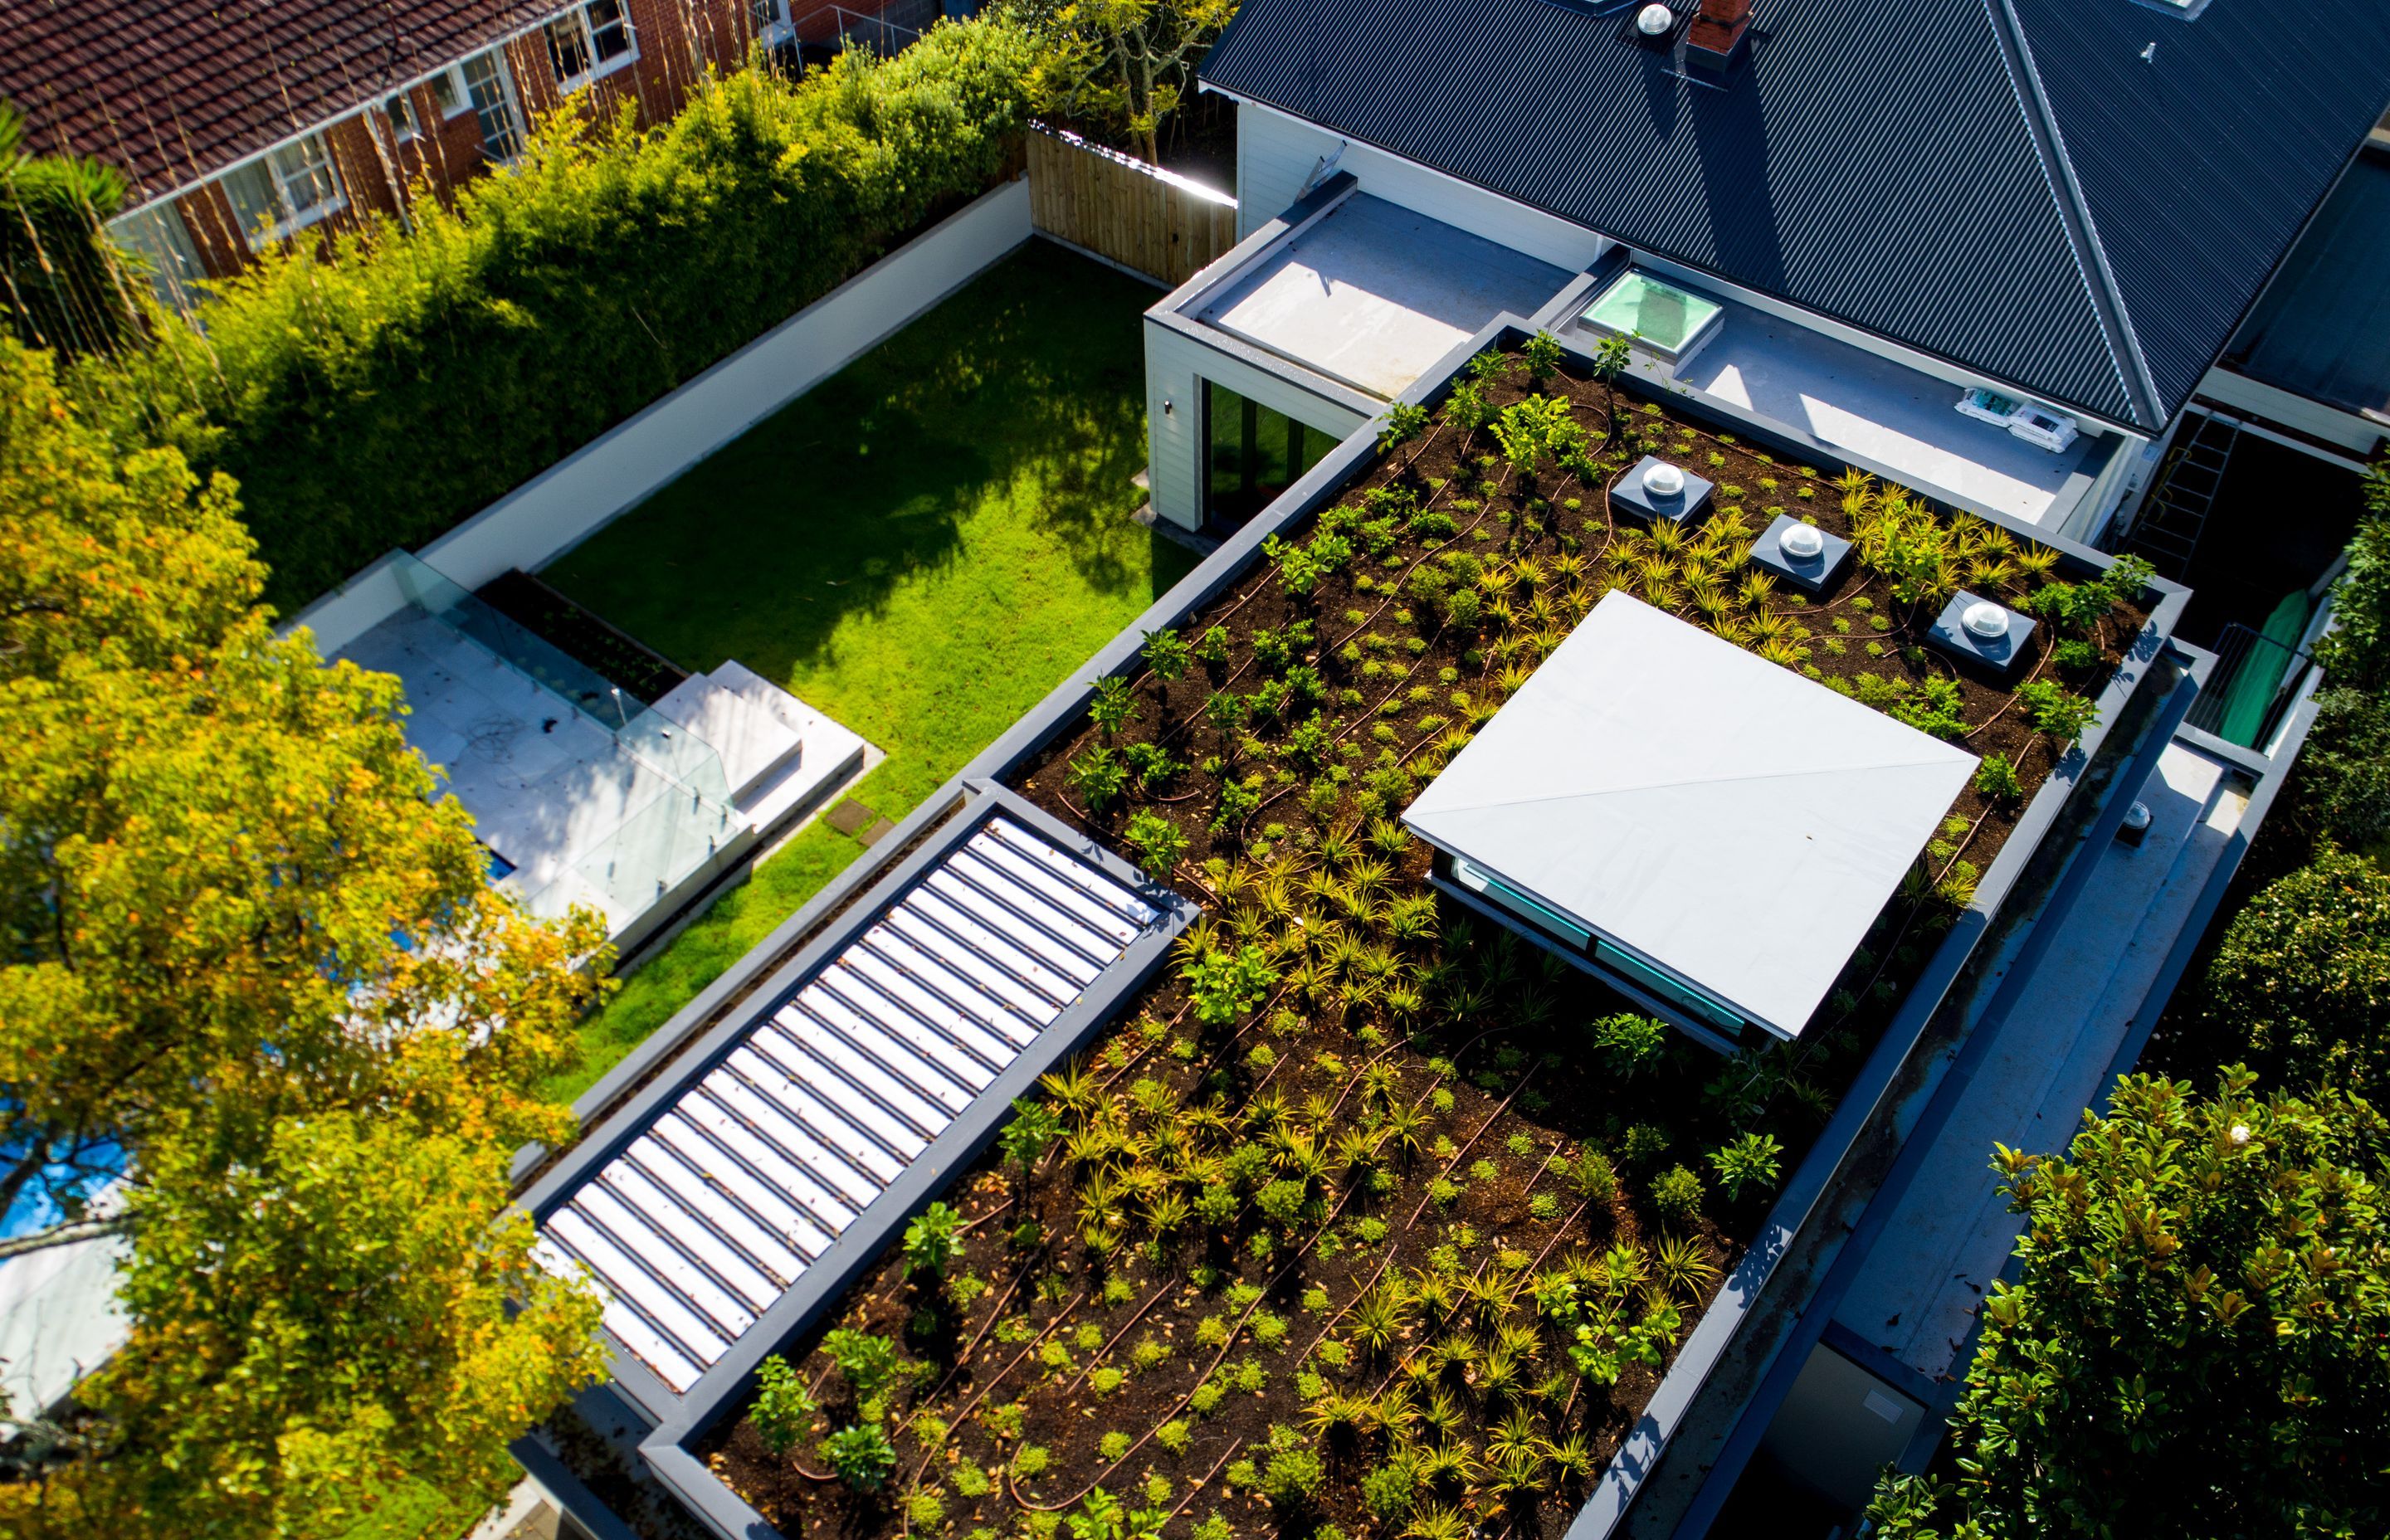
(604, 478)
(1175, 367)
(2351, 432)
(1275, 155)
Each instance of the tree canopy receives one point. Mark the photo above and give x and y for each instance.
(254, 966)
(2200, 1344)
(2304, 975)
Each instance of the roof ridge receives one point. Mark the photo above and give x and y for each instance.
(2114, 316)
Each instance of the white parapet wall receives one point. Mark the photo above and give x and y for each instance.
(604, 478)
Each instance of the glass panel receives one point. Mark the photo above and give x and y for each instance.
(1662, 315)
(255, 204)
(1253, 453)
(310, 185)
(485, 83)
(156, 238)
(609, 29)
(445, 93)
(568, 48)
(401, 113)
(1635, 970)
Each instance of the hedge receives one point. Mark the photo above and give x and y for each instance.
(375, 394)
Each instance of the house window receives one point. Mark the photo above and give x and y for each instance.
(399, 111)
(593, 40)
(285, 190)
(157, 236)
(772, 23)
(448, 92)
(1252, 453)
(491, 96)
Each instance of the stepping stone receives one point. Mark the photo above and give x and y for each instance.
(851, 817)
(875, 833)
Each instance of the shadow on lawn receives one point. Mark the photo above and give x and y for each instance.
(1025, 389)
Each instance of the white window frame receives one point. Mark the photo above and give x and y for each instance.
(584, 33)
(775, 31)
(459, 100)
(398, 112)
(295, 215)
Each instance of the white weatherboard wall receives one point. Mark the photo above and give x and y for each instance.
(597, 483)
(1176, 368)
(1276, 154)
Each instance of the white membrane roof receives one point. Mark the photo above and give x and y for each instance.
(1733, 821)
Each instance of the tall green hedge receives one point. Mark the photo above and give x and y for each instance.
(375, 395)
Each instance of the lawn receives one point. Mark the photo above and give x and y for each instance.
(922, 547)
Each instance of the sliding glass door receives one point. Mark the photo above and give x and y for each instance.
(1252, 453)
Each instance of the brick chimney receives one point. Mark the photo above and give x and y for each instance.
(1718, 32)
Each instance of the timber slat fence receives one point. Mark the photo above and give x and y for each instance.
(1156, 222)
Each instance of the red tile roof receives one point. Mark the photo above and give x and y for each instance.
(172, 91)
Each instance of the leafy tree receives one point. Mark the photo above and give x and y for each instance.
(2200, 1344)
(1122, 66)
(1612, 357)
(2356, 653)
(2304, 972)
(251, 959)
(62, 284)
(2344, 781)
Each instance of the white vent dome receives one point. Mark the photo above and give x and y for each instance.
(1664, 480)
(1802, 542)
(1654, 20)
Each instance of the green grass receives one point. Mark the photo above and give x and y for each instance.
(922, 547)
(410, 1510)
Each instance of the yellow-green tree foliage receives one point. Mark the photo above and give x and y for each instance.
(249, 950)
(1123, 66)
(373, 396)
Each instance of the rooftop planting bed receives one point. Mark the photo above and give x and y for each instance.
(1370, 1217)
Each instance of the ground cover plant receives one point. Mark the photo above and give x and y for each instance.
(1372, 1217)
(922, 546)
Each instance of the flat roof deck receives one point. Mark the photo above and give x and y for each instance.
(1916, 1298)
(1854, 401)
(1372, 294)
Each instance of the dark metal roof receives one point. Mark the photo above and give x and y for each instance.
(2009, 185)
(2323, 328)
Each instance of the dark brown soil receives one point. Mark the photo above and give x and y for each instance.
(1382, 999)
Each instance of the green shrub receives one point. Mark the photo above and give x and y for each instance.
(783, 1408)
(1112, 1446)
(2304, 971)
(1175, 1436)
(1677, 1193)
(375, 398)
(861, 1455)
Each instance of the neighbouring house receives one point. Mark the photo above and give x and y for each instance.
(242, 125)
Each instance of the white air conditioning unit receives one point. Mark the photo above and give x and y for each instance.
(2040, 425)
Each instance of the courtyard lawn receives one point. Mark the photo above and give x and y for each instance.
(921, 547)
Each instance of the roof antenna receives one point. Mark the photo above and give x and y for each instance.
(2150, 54)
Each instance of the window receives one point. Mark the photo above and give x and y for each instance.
(399, 111)
(1253, 454)
(492, 95)
(771, 20)
(448, 92)
(594, 40)
(285, 190)
(171, 262)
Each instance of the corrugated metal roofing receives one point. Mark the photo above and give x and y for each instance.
(710, 1213)
(2323, 328)
(1891, 166)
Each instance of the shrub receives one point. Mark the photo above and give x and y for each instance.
(1677, 1193)
(1227, 984)
(861, 1455)
(1283, 1202)
(1996, 778)
(1627, 1043)
(1295, 1472)
(1175, 1436)
(2057, 710)
(373, 398)
(2304, 972)
(1159, 841)
(926, 1508)
(930, 1240)
(972, 1481)
(868, 1362)
(1112, 1446)
(1753, 1160)
(1029, 1462)
(1213, 1527)
(783, 1408)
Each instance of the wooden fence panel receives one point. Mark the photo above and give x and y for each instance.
(1141, 217)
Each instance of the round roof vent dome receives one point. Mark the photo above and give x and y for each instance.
(1664, 480)
(1801, 542)
(1987, 620)
(1654, 20)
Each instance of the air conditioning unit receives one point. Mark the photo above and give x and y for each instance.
(2040, 425)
